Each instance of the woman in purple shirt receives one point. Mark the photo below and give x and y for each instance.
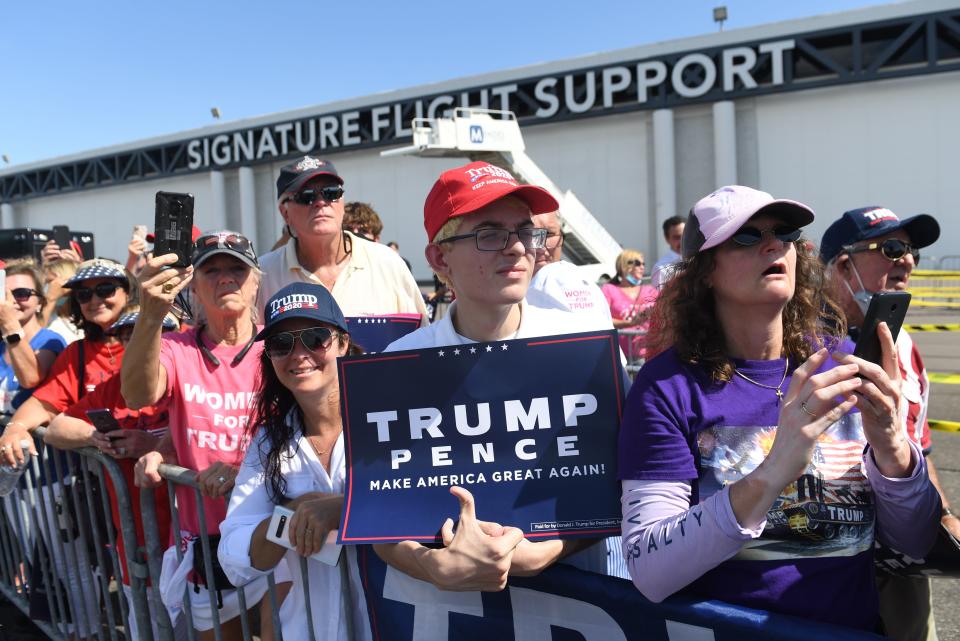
(758, 461)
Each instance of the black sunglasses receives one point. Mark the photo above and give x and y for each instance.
(314, 339)
(23, 293)
(103, 290)
(892, 249)
(748, 236)
(330, 193)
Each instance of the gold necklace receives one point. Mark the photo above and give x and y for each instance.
(786, 365)
(316, 449)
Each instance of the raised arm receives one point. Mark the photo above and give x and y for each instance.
(144, 380)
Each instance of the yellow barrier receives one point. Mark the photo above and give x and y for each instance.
(935, 288)
(933, 327)
(945, 426)
(949, 379)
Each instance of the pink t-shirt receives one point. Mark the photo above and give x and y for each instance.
(623, 307)
(209, 409)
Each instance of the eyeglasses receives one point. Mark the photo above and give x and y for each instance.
(330, 193)
(103, 290)
(553, 241)
(314, 339)
(892, 249)
(635, 262)
(494, 240)
(749, 236)
(235, 242)
(23, 293)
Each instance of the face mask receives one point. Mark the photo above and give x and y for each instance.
(630, 279)
(862, 297)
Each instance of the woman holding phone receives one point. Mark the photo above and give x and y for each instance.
(759, 461)
(297, 460)
(27, 349)
(98, 292)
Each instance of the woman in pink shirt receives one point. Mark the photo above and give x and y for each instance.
(207, 376)
(630, 302)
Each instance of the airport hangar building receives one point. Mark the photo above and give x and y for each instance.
(837, 111)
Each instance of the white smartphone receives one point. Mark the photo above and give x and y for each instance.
(3, 280)
(140, 231)
(277, 533)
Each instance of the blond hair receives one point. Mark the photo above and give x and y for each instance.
(624, 259)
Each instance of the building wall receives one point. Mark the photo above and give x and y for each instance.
(891, 143)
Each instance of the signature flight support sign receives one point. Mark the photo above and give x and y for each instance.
(528, 426)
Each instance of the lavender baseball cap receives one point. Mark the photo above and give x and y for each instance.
(717, 217)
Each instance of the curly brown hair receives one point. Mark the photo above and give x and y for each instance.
(361, 218)
(684, 316)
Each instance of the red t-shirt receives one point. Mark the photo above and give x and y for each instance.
(153, 419)
(101, 361)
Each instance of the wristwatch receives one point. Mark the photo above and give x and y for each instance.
(946, 512)
(14, 338)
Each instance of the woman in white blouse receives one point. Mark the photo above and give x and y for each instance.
(296, 459)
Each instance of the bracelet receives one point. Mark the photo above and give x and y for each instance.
(16, 423)
(945, 512)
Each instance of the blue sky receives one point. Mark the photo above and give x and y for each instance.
(77, 76)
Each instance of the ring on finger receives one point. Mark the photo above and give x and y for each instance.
(167, 288)
(806, 410)
(122, 451)
(221, 479)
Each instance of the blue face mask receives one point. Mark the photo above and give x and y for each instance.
(630, 279)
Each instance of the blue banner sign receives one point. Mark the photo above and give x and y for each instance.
(563, 604)
(528, 426)
(374, 333)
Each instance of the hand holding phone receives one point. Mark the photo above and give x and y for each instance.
(103, 420)
(885, 307)
(278, 532)
(61, 236)
(174, 226)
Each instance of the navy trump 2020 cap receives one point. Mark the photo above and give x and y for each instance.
(872, 222)
(302, 300)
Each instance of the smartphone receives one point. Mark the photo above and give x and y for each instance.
(173, 227)
(885, 307)
(3, 280)
(61, 236)
(277, 532)
(140, 231)
(103, 420)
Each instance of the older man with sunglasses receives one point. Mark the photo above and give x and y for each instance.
(365, 278)
(870, 250)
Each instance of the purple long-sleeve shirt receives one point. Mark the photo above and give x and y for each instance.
(685, 439)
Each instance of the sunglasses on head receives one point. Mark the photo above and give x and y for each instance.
(314, 339)
(23, 293)
(103, 290)
(235, 242)
(892, 249)
(748, 236)
(329, 194)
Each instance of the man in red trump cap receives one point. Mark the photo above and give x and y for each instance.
(482, 241)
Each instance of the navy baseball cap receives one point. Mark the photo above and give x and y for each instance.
(302, 300)
(296, 174)
(872, 222)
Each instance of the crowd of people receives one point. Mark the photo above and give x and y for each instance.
(749, 402)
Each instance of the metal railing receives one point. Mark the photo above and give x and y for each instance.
(59, 553)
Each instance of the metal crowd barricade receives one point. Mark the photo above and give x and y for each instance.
(58, 547)
(155, 548)
(633, 348)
